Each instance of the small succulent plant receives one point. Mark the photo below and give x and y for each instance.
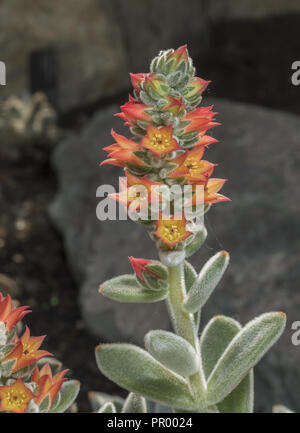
(23, 120)
(30, 381)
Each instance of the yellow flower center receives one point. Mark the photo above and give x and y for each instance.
(134, 193)
(160, 142)
(16, 399)
(193, 165)
(173, 231)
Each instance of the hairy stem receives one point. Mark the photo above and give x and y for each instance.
(185, 326)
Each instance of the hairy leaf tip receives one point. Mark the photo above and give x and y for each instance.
(282, 314)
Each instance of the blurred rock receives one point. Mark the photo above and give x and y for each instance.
(23, 120)
(88, 58)
(161, 25)
(245, 9)
(78, 52)
(8, 286)
(259, 153)
(99, 250)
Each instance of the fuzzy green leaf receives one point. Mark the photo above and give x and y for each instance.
(207, 280)
(55, 365)
(98, 399)
(135, 370)
(243, 353)
(240, 400)
(215, 337)
(125, 288)
(196, 243)
(108, 407)
(190, 275)
(280, 408)
(44, 405)
(134, 403)
(173, 351)
(68, 394)
(7, 367)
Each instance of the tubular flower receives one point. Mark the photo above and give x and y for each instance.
(172, 230)
(26, 351)
(200, 120)
(9, 314)
(122, 152)
(192, 166)
(141, 267)
(209, 194)
(140, 190)
(150, 274)
(134, 111)
(160, 140)
(47, 384)
(16, 397)
(205, 141)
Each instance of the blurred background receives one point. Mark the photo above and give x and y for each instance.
(67, 66)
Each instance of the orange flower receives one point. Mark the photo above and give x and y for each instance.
(200, 119)
(172, 230)
(159, 140)
(138, 189)
(122, 152)
(48, 385)
(16, 397)
(205, 140)
(134, 111)
(9, 314)
(26, 350)
(192, 166)
(210, 193)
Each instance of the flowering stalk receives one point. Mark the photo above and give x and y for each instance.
(163, 158)
(30, 381)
